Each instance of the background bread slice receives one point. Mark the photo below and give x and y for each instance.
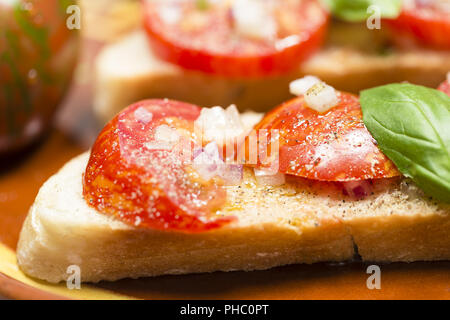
(128, 71)
(277, 225)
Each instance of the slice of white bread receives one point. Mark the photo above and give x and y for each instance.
(128, 71)
(62, 230)
(292, 223)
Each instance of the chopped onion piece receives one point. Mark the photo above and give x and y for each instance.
(165, 138)
(250, 119)
(143, 115)
(321, 97)
(217, 124)
(301, 86)
(287, 42)
(170, 13)
(166, 134)
(253, 19)
(209, 164)
(158, 145)
(267, 178)
(212, 151)
(357, 189)
(233, 116)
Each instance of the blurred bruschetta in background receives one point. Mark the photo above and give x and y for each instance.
(348, 55)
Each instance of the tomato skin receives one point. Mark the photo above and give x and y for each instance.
(427, 29)
(148, 189)
(233, 63)
(38, 55)
(334, 146)
(445, 87)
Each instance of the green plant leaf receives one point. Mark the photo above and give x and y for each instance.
(411, 125)
(202, 4)
(356, 10)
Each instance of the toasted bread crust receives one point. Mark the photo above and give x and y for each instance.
(402, 238)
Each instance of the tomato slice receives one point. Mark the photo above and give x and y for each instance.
(445, 87)
(427, 22)
(206, 39)
(133, 177)
(333, 146)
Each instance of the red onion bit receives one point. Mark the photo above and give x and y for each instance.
(357, 189)
(209, 163)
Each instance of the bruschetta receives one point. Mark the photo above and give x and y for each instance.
(247, 52)
(170, 188)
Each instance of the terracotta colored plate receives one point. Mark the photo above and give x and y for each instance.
(19, 185)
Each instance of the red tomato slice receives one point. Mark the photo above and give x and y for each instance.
(131, 177)
(333, 146)
(445, 87)
(206, 39)
(428, 22)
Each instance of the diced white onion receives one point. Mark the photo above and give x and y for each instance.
(301, 86)
(267, 178)
(165, 138)
(212, 151)
(158, 145)
(217, 124)
(321, 97)
(142, 115)
(250, 119)
(318, 95)
(209, 164)
(170, 13)
(166, 134)
(287, 42)
(253, 19)
(233, 116)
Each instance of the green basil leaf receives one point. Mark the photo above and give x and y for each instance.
(356, 10)
(412, 127)
(202, 4)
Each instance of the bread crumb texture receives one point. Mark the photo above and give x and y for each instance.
(127, 71)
